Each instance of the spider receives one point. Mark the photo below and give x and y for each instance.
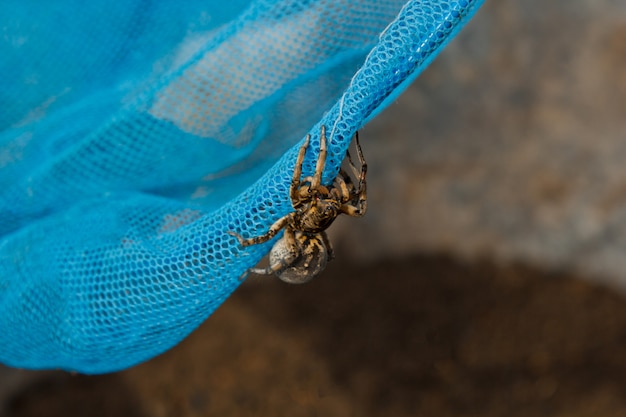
(304, 250)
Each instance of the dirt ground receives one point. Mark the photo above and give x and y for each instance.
(426, 336)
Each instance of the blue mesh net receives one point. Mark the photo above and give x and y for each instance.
(135, 134)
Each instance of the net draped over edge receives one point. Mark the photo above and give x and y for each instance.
(118, 190)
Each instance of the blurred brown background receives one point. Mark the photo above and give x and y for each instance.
(485, 280)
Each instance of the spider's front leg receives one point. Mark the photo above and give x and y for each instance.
(273, 231)
(321, 161)
(294, 189)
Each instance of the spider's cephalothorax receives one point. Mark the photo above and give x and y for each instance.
(304, 249)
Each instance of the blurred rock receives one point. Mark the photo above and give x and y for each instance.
(510, 145)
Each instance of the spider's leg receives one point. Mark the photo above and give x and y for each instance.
(269, 270)
(362, 200)
(329, 246)
(354, 169)
(305, 189)
(359, 174)
(359, 207)
(274, 229)
(354, 210)
(361, 204)
(297, 173)
(343, 185)
(321, 161)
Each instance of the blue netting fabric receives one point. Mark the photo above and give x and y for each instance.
(134, 134)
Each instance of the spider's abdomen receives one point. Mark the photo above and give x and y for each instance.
(311, 261)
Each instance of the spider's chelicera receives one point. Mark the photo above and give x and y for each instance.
(304, 250)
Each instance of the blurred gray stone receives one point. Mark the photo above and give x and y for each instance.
(511, 145)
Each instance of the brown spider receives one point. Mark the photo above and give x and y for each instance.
(304, 250)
